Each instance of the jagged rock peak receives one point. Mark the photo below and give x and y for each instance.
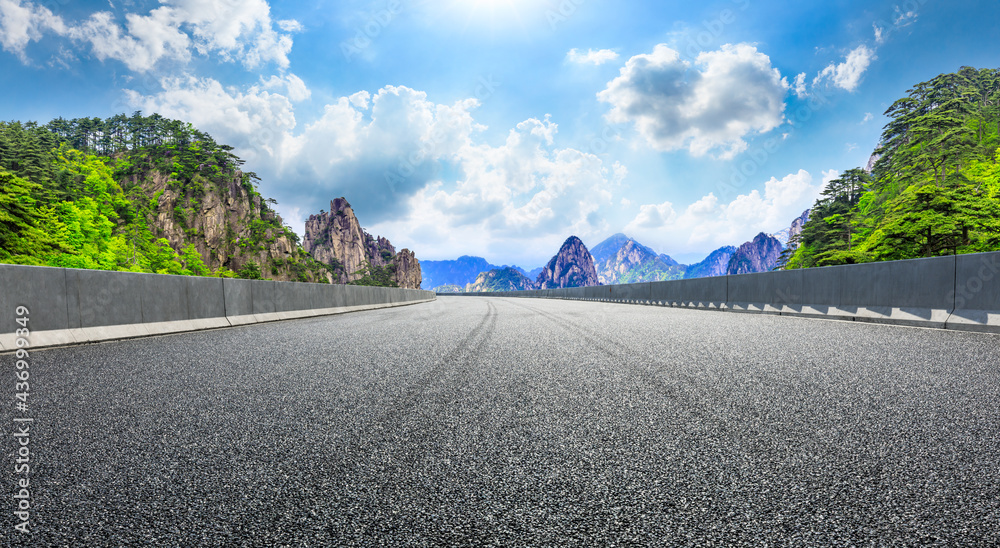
(759, 255)
(786, 236)
(336, 238)
(573, 266)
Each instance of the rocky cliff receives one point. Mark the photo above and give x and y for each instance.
(501, 279)
(231, 225)
(408, 273)
(335, 238)
(786, 236)
(573, 266)
(759, 255)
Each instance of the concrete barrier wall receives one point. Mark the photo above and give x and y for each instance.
(951, 292)
(70, 306)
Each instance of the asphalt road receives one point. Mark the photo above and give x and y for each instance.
(513, 422)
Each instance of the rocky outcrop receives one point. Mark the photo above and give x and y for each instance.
(408, 273)
(632, 262)
(787, 236)
(797, 225)
(573, 266)
(500, 279)
(230, 225)
(759, 255)
(716, 264)
(335, 238)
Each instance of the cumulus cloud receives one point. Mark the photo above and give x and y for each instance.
(233, 31)
(594, 57)
(293, 86)
(653, 216)
(847, 75)
(708, 223)
(141, 44)
(22, 23)
(709, 106)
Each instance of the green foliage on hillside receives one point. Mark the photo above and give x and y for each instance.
(501, 279)
(75, 193)
(652, 271)
(378, 276)
(935, 189)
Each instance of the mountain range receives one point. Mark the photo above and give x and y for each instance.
(571, 266)
(618, 259)
(444, 276)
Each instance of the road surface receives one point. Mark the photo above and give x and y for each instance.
(513, 422)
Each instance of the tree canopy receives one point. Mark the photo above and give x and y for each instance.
(934, 188)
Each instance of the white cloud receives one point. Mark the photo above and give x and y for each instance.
(707, 223)
(653, 216)
(158, 37)
(879, 34)
(868, 118)
(707, 107)
(360, 99)
(235, 30)
(847, 75)
(290, 25)
(800, 86)
(595, 57)
(22, 23)
(294, 87)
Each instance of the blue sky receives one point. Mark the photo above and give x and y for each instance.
(500, 127)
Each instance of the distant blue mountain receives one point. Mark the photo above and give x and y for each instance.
(461, 271)
(716, 264)
(608, 248)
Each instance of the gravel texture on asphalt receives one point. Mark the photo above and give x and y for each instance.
(516, 422)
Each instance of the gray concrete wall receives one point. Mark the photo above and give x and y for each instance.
(941, 292)
(71, 306)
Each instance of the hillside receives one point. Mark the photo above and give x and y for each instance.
(502, 279)
(933, 187)
(141, 194)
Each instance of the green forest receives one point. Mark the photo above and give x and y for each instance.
(933, 190)
(76, 193)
